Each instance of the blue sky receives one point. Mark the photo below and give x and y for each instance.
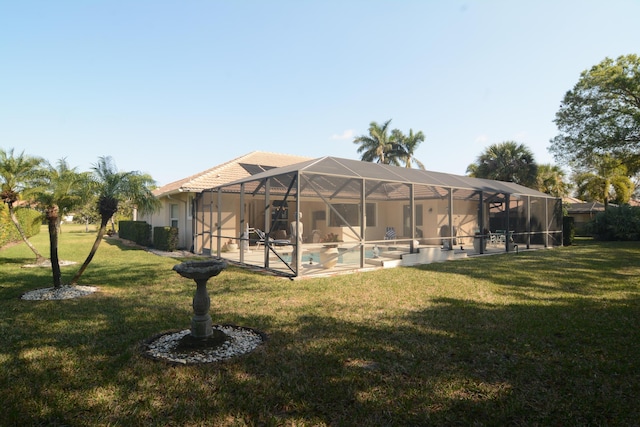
(172, 88)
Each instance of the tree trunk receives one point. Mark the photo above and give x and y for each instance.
(52, 221)
(39, 258)
(94, 249)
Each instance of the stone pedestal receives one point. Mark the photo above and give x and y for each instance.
(201, 272)
(201, 324)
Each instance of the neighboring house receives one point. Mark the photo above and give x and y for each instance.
(582, 212)
(177, 198)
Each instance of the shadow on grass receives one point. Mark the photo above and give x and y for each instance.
(588, 268)
(58, 357)
(457, 363)
(17, 261)
(570, 360)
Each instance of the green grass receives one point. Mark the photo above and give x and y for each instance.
(540, 338)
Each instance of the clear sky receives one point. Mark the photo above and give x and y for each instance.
(173, 88)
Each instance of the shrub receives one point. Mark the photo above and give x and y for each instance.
(165, 238)
(617, 223)
(136, 231)
(29, 219)
(568, 230)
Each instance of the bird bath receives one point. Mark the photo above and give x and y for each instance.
(202, 331)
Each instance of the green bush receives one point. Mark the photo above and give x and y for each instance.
(617, 223)
(136, 231)
(29, 219)
(568, 230)
(165, 238)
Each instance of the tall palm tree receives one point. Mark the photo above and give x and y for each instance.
(551, 180)
(406, 145)
(112, 187)
(59, 191)
(17, 174)
(506, 161)
(378, 146)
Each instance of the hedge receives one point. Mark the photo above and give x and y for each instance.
(568, 230)
(165, 238)
(136, 231)
(617, 223)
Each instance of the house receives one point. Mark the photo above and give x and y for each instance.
(582, 213)
(178, 198)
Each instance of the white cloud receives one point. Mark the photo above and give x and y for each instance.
(347, 134)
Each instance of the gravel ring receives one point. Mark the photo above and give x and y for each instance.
(241, 341)
(63, 292)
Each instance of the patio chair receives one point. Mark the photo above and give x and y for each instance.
(262, 238)
(493, 238)
(390, 233)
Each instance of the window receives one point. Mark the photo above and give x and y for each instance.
(173, 212)
(351, 214)
(190, 207)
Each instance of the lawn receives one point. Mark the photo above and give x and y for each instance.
(548, 337)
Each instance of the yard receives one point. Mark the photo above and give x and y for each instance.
(549, 337)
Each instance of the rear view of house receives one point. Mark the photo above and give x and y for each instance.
(178, 198)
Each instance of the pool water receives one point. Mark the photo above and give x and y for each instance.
(345, 257)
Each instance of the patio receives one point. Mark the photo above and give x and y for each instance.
(354, 215)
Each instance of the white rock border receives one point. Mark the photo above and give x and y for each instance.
(63, 292)
(240, 341)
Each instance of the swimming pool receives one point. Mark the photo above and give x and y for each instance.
(345, 256)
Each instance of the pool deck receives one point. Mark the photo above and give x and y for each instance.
(390, 256)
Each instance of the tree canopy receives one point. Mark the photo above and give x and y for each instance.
(377, 146)
(113, 187)
(604, 179)
(405, 147)
(17, 175)
(601, 114)
(389, 147)
(506, 161)
(551, 180)
(60, 189)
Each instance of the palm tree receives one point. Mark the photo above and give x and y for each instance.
(551, 180)
(507, 161)
(606, 173)
(378, 146)
(112, 187)
(17, 173)
(406, 145)
(59, 191)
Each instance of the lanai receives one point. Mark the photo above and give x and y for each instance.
(410, 216)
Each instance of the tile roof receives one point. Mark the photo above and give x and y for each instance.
(585, 207)
(227, 172)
